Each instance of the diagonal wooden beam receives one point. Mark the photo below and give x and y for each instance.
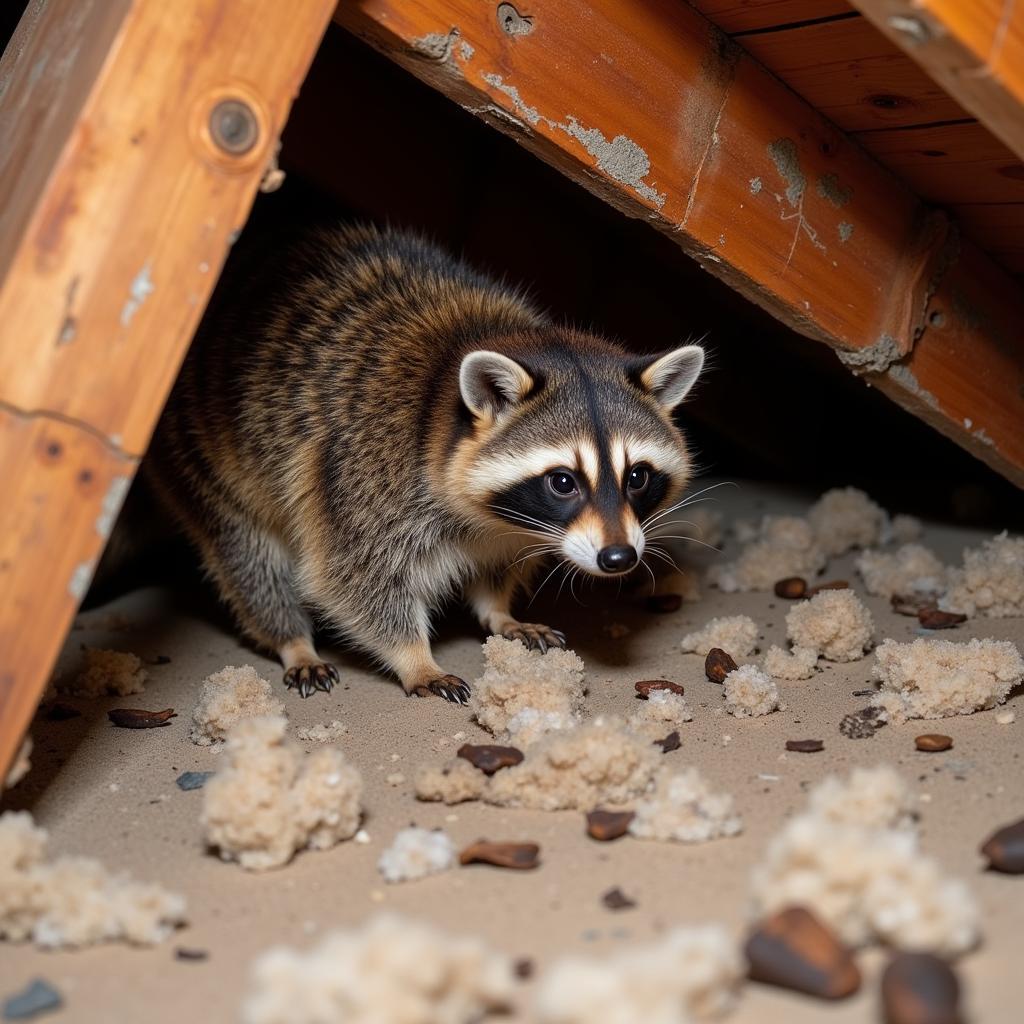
(134, 137)
(648, 105)
(974, 49)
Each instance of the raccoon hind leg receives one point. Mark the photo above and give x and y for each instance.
(256, 578)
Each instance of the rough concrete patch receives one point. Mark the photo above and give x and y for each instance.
(755, 186)
(466, 50)
(845, 231)
(436, 45)
(907, 379)
(875, 358)
(512, 22)
(786, 158)
(530, 113)
(830, 188)
(621, 158)
(983, 437)
(719, 59)
(112, 502)
(140, 289)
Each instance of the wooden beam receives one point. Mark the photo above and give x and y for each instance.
(974, 49)
(123, 178)
(650, 107)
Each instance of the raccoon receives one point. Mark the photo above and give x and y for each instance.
(365, 425)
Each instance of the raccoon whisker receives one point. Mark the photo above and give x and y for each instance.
(692, 540)
(663, 555)
(654, 582)
(547, 550)
(522, 517)
(690, 499)
(536, 593)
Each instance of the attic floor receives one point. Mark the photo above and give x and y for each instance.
(110, 793)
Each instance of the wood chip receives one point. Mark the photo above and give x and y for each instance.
(663, 604)
(912, 604)
(646, 686)
(608, 825)
(616, 899)
(919, 988)
(524, 968)
(191, 955)
(718, 664)
(490, 757)
(793, 949)
(520, 856)
(933, 742)
(136, 718)
(669, 743)
(1005, 849)
(934, 618)
(805, 746)
(832, 585)
(792, 588)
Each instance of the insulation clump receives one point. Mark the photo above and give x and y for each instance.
(523, 694)
(74, 901)
(853, 859)
(392, 969)
(684, 808)
(271, 800)
(107, 673)
(931, 678)
(906, 529)
(595, 764)
(750, 693)
(991, 580)
(736, 634)
(453, 783)
(329, 732)
(228, 697)
(415, 853)
(662, 712)
(781, 546)
(690, 974)
(846, 518)
(833, 623)
(799, 663)
(911, 569)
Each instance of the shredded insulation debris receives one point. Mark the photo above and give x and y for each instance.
(392, 969)
(833, 623)
(736, 634)
(271, 800)
(931, 678)
(524, 694)
(683, 807)
(799, 663)
(226, 698)
(991, 580)
(911, 569)
(415, 853)
(780, 546)
(72, 902)
(750, 693)
(846, 518)
(660, 714)
(107, 673)
(853, 859)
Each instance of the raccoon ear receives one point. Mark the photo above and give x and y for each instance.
(491, 382)
(670, 377)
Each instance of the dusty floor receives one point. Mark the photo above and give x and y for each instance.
(111, 793)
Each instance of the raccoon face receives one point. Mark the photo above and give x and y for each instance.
(573, 441)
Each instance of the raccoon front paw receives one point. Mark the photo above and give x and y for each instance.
(307, 679)
(535, 636)
(452, 688)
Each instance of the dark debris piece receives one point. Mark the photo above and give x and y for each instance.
(608, 825)
(59, 711)
(489, 757)
(919, 988)
(663, 604)
(616, 899)
(862, 724)
(192, 780)
(136, 718)
(935, 618)
(1005, 849)
(36, 998)
(805, 746)
(192, 956)
(669, 743)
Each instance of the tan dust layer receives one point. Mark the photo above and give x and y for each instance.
(151, 828)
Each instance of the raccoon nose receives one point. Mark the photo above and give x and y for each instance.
(616, 558)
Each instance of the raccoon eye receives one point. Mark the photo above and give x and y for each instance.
(638, 479)
(562, 483)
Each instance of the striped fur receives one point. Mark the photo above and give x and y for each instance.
(320, 452)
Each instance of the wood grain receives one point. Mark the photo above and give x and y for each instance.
(662, 117)
(754, 15)
(974, 49)
(854, 75)
(116, 212)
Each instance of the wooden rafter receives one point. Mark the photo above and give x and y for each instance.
(974, 49)
(652, 108)
(122, 181)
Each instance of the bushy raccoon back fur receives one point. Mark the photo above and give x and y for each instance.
(364, 425)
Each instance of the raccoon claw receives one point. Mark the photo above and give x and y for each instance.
(451, 688)
(307, 679)
(535, 637)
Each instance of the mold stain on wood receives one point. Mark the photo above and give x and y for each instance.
(140, 289)
(111, 505)
(786, 157)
